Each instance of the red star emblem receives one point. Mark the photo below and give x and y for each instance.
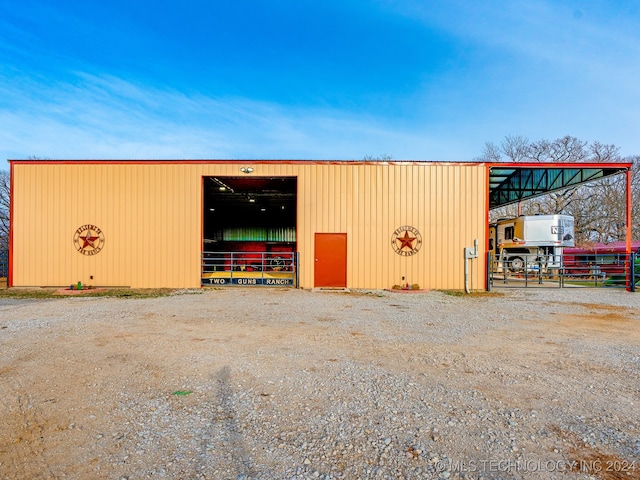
(406, 241)
(88, 240)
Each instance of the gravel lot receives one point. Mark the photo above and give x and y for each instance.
(293, 384)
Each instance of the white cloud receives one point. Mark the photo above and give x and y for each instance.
(543, 69)
(108, 118)
(594, 38)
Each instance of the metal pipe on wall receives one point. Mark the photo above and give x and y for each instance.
(469, 255)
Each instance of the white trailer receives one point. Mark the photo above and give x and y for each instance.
(530, 242)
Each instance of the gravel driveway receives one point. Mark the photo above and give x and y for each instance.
(293, 384)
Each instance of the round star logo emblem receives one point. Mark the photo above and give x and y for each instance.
(406, 241)
(88, 239)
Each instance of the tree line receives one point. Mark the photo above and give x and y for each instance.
(4, 223)
(5, 186)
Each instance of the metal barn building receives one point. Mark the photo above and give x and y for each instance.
(183, 224)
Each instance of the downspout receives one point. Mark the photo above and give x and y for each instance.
(466, 271)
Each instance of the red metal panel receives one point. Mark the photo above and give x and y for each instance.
(629, 231)
(330, 255)
(487, 175)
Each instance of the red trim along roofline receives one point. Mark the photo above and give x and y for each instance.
(317, 162)
(561, 165)
(238, 162)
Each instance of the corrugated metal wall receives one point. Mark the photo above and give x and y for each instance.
(151, 217)
(149, 214)
(445, 202)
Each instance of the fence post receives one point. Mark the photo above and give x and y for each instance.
(539, 260)
(489, 271)
(297, 267)
(4, 266)
(632, 272)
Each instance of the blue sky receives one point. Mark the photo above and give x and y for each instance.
(250, 79)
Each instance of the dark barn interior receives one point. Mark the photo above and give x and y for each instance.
(249, 214)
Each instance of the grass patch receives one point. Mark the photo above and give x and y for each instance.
(366, 293)
(38, 293)
(478, 294)
(27, 293)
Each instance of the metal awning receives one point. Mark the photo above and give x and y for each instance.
(512, 182)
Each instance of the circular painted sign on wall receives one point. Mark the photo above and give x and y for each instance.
(88, 239)
(406, 241)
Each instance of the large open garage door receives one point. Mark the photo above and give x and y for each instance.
(249, 231)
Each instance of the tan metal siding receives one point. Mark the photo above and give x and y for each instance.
(369, 202)
(151, 216)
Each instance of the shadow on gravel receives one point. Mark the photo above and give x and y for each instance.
(226, 418)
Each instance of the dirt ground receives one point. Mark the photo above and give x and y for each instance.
(240, 383)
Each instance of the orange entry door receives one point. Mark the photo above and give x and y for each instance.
(330, 260)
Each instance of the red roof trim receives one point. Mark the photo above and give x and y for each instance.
(319, 162)
(560, 165)
(238, 162)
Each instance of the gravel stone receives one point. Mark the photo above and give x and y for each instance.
(291, 384)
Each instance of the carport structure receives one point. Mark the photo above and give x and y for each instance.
(512, 182)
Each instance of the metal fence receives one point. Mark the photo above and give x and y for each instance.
(4, 268)
(250, 269)
(563, 271)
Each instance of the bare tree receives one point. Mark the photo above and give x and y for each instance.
(491, 153)
(380, 158)
(566, 149)
(5, 198)
(5, 186)
(516, 148)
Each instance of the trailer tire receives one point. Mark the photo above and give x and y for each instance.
(516, 264)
